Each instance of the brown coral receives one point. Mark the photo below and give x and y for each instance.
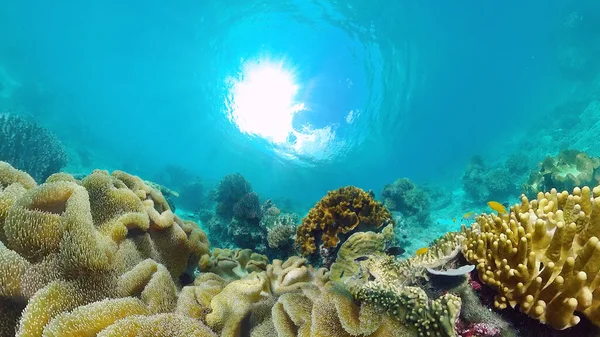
(340, 212)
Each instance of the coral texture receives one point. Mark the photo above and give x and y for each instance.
(404, 196)
(565, 171)
(544, 256)
(73, 246)
(28, 146)
(339, 213)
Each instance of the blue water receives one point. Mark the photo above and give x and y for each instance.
(143, 84)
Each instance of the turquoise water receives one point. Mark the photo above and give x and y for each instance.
(412, 89)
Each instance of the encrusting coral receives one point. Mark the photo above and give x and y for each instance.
(544, 256)
(339, 214)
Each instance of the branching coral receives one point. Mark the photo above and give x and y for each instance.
(567, 170)
(544, 256)
(339, 213)
(30, 147)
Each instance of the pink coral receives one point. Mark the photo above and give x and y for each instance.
(477, 330)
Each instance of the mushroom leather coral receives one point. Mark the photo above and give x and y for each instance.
(339, 212)
(567, 170)
(68, 244)
(544, 256)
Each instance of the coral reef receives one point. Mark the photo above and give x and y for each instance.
(544, 256)
(565, 171)
(232, 264)
(69, 244)
(28, 146)
(339, 214)
(380, 283)
(281, 231)
(193, 197)
(404, 196)
(238, 214)
(483, 183)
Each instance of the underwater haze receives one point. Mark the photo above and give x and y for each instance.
(242, 168)
(379, 90)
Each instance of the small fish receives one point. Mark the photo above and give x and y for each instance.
(422, 251)
(395, 251)
(496, 206)
(469, 216)
(454, 220)
(362, 258)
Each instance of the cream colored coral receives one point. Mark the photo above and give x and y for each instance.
(160, 294)
(162, 325)
(357, 245)
(8, 196)
(10, 175)
(544, 255)
(34, 223)
(47, 303)
(12, 268)
(90, 319)
(232, 264)
(232, 304)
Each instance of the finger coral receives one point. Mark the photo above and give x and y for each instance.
(339, 213)
(543, 256)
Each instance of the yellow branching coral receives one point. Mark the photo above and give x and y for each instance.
(544, 255)
(339, 212)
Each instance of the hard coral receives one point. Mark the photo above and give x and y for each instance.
(567, 170)
(544, 256)
(339, 213)
(483, 183)
(404, 196)
(30, 147)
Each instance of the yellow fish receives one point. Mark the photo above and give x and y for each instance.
(468, 216)
(454, 220)
(422, 251)
(496, 206)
